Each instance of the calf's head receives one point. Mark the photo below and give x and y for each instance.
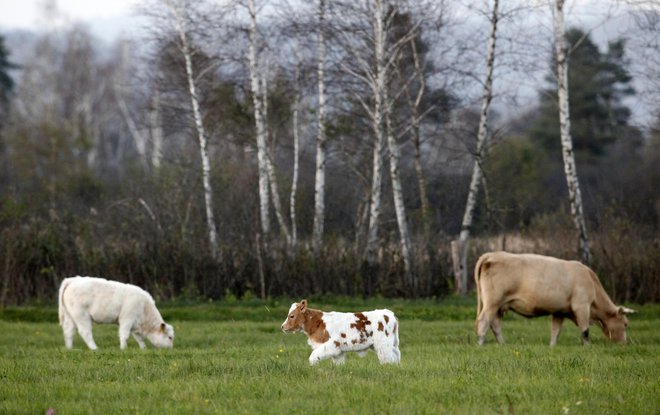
(295, 320)
(162, 336)
(615, 324)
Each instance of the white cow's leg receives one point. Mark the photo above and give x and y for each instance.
(326, 350)
(84, 324)
(124, 333)
(555, 329)
(69, 329)
(139, 339)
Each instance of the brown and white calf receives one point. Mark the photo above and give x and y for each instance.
(84, 300)
(535, 285)
(332, 334)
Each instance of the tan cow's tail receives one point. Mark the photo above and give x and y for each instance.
(477, 277)
(60, 303)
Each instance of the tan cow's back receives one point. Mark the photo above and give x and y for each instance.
(534, 284)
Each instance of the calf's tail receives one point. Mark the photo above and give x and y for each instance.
(60, 309)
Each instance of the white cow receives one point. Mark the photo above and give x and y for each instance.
(333, 334)
(83, 300)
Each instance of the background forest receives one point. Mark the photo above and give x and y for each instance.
(277, 148)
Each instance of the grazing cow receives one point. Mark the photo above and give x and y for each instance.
(83, 300)
(333, 334)
(535, 285)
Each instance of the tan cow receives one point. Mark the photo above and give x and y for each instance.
(534, 285)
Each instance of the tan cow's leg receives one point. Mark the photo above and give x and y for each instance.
(484, 320)
(582, 321)
(496, 326)
(555, 329)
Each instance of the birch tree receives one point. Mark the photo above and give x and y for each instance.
(570, 170)
(459, 247)
(257, 100)
(374, 66)
(319, 186)
(180, 19)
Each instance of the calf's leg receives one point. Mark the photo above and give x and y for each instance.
(326, 350)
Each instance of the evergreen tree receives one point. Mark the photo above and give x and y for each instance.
(598, 82)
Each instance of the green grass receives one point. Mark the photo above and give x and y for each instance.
(232, 358)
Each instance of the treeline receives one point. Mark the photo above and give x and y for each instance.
(111, 166)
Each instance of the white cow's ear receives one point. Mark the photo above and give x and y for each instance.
(162, 327)
(626, 310)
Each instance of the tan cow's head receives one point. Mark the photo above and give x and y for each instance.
(295, 320)
(615, 324)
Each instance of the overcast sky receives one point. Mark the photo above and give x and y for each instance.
(109, 17)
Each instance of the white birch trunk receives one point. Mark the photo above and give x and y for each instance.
(461, 279)
(296, 164)
(377, 125)
(414, 124)
(570, 169)
(270, 168)
(201, 134)
(319, 187)
(397, 194)
(264, 200)
(156, 131)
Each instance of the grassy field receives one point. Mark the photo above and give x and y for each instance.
(232, 358)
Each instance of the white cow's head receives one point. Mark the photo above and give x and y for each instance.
(614, 326)
(162, 336)
(295, 320)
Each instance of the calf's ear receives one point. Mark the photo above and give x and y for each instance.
(303, 305)
(626, 310)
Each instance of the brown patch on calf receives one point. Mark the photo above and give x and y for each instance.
(386, 333)
(395, 326)
(354, 341)
(314, 326)
(361, 323)
(343, 335)
(380, 326)
(387, 319)
(337, 344)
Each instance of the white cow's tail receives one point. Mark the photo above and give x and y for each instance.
(60, 309)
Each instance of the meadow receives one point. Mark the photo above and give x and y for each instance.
(231, 357)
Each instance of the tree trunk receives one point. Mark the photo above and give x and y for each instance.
(270, 168)
(397, 194)
(462, 245)
(264, 201)
(156, 129)
(414, 124)
(377, 125)
(296, 163)
(319, 187)
(201, 135)
(570, 169)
